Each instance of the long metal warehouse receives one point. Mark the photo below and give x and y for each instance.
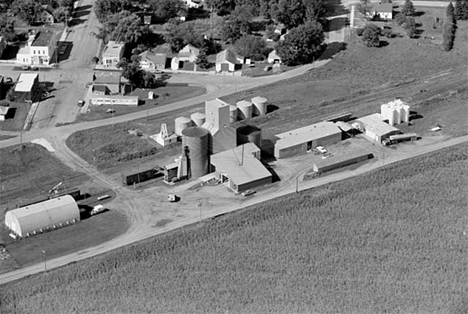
(340, 161)
(50, 214)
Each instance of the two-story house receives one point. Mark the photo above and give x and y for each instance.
(40, 51)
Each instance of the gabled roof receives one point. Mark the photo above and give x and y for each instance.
(189, 50)
(306, 134)
(48, 8)
(227, 56)
(3, 110)
(157, 58)
(107, 77)
(383, 8)
(43, 39)
(273, 55)
(375, 124)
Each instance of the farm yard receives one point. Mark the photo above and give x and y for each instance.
(345, 247)
(27, 175)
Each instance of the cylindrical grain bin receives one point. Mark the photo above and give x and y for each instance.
(244, 109)
(232, 113)
(249, 134)
(260, 105)
(198, 118)
(195, 142)
(404, 114)
(394, 116)
(182, 123)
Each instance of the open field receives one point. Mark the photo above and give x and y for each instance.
(162, 96)
(394, 240)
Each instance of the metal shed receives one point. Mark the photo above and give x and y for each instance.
(36, 218)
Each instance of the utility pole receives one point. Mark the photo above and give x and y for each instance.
(45, 264)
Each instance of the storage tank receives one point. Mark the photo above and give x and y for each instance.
(260, 105)
(232, 113)
(198, 118)
(249, 134)
(245, 109)
(405, 113)
(394, 116)
(182, 123)
(195, 144)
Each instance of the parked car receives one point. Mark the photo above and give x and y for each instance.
(248, 192)
(172, 197)
(81, 103)
(97, 209)
(110, 110)
(321, 149)
(26, 67)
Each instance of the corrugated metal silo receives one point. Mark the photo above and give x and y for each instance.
(404, 113)
(182, 123)
(198, 118)
(394, 117)
(260, 105)
(245, 109)
(232, 113)
(249, 134)
(195, 142)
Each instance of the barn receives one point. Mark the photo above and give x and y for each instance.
(39, 217)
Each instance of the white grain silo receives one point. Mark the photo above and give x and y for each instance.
(260, 105)
(405, 113)
(182, 123)
(232, 113)
(394, 116)
(198, 118)
(245, 109)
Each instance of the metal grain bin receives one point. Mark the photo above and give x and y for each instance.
(195, 141)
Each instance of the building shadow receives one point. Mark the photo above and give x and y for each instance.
(271, 108)
(332, 49)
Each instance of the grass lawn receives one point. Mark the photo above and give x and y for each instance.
(394, 240)
(16, 116)
(162, 96)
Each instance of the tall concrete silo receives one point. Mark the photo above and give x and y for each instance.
(232, 113)
(198, 118)
(182, 123)
(249, 134)
(260, 105)
(245, 109)
(195, 143)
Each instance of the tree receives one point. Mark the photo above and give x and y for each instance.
(202, 60)
(251, 46)
(314, 9)
(459, 9)
(450, 11)
(7, 29)
(131, 70)
(301, 44)
(400, 19)
(129, 30)
(370, 35)
(221, 7)
(179, 34)
(364, 8)
(61, 14)
(27, 10)
(107, 8)
(165, 10)
(463, 10)
(410, 27)
(237, 24)
(290, 13)
(408, 8)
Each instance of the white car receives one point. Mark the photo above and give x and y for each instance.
(321, 149)
(248, 192)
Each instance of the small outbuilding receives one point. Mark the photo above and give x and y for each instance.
(36, 218)
(3, 112)
(27, 88)
(240, 168)
(301, 140)
(273, 57)
(227, 60)
(382, 11)
(189, 53)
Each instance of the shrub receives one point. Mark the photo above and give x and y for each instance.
(400, 18)
(370, 35)
(359, 31)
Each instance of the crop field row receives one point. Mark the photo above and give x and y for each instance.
(393, 240)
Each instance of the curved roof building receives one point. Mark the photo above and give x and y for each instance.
(34, 218)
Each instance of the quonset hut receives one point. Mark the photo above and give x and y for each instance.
(36, 218)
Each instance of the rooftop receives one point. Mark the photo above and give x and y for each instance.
(240, 170)
(157, 58)
(306, 134)
(3, 110)
(113, 49)
(107, 77)
(43, 39)
(26, 82)
(43, 206)
(189, 50)
(375, 123)
(383, 7)
(227, 56)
